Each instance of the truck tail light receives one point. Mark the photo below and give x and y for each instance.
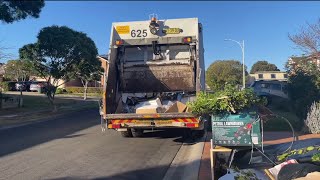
(119, 42)
(116, 126)
(192, 125)
(187, 40)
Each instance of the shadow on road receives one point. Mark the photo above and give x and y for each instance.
(172, 133)
(154, 173)
(20, 138)
(73, 136)
(163, 134)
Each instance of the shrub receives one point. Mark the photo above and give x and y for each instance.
(4, 86)
(313, 118)
(303, 89)
(60, 91)
(81, 90)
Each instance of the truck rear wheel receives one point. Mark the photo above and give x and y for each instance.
(127, 133)
(137, 132)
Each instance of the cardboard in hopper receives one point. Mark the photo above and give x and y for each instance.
(176, 107)
(150, 107)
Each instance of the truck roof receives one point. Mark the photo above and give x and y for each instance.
(122, 22)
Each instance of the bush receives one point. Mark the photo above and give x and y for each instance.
(303, 89)
(313, 118)
(60, 91)
(4, 86)
(81, 90)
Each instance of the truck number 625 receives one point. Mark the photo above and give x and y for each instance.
(139, 33)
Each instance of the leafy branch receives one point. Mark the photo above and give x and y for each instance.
(230, 100)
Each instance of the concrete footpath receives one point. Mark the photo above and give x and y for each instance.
(186, 164)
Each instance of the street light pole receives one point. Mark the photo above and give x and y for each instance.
(243, 66)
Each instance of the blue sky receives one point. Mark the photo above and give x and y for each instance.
(263, 25)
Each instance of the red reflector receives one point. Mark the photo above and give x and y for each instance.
(116, 126)
(190, 124)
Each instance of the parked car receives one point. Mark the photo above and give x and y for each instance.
(12, 86)
(38, 86)
(270, 89)
(23, 85)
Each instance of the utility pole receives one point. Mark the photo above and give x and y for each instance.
(241, 44)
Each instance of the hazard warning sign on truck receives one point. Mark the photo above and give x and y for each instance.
(123, 29)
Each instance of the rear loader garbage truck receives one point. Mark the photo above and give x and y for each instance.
(154, 68)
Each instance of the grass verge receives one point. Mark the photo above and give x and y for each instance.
(37, 107)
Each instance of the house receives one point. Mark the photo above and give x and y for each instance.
(268, 76)
(105, 66)
(303, 62)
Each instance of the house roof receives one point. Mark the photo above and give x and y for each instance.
(313, 56)
(260, 72)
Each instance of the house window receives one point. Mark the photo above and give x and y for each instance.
(260, 76)
(285, 75)
(273, 76)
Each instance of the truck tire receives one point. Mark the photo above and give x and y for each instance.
(137, 132)
(127, 133)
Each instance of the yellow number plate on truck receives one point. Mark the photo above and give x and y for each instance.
(163, 122)
(173, 31)
(145, 122)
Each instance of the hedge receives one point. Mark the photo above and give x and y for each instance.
(4, 86)
(81, 89)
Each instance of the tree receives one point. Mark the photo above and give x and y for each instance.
(16, 10)
(89, 73)
(304, 79)
(308, 39)
(18, 70)
(263, 66)
(56, 54)
(89, 68)
(222, 72)
(303, 90)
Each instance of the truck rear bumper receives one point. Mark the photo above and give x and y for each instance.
(191, 123)
(122, 122)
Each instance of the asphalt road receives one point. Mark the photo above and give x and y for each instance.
(73, 147)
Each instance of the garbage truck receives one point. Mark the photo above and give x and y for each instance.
(155, 67)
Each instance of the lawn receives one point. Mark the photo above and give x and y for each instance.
(37, 106)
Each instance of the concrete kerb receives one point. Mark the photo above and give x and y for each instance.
(186, 164)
